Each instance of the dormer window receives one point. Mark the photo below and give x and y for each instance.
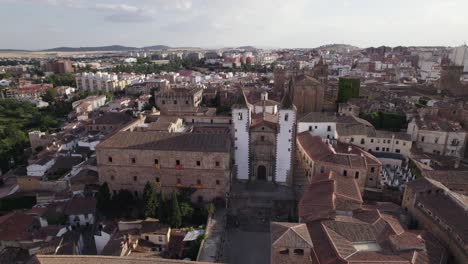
(299, 252)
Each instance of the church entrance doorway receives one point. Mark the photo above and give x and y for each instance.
(261, 173)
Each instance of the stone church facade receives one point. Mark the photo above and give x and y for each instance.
(263, 139)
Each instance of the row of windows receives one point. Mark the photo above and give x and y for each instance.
(315, 127)
(175, 102)
(158, 180)
(297, 251)
(156, 162)
(385, 149)
(385, 141)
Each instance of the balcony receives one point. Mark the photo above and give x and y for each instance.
(179, 167)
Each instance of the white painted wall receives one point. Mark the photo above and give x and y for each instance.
(101, 241)
(240, 120)
(39, 170)
(82, 220)
(319, 129)
(284, 144)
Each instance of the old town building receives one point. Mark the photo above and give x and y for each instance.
(263, 139)
(356, 131)
(437, 135)
(317, 157)
(443, 212)
(129, 159)
(307, 94)
(178, 98)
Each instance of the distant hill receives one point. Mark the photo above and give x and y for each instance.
(156, 47)
(247, 48)
(102, 48)
(338, 47)
(13, 50)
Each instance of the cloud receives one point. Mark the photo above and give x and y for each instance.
(125, 13)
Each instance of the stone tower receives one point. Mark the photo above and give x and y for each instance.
(285, 140)
(241, 123)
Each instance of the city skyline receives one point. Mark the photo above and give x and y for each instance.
(210, 24)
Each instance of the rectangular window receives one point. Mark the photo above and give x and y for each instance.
(198, 163)
(329, 128)
(217, 163)
(356, 175)
(422, 139)
(345, 173)
(156, 161)
(310, 128)
(133, 160)
(177, 162)
(109, 159)
(175, 101)
(135, 178)
(186, 102)
(286, 117)
(372, 169)
(157, 179)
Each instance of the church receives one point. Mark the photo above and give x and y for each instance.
(264, 132)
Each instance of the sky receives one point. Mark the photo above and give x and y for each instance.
(41, 24)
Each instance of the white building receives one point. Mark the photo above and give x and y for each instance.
(356, 131)
(89, 104)
(436, 135)
(104, 81)
(459, 57)
(81, 211)
(263, 139)
(40, 167)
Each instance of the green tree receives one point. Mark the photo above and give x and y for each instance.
(103, 198)
(186, 211)
(149, 200)
(147, 192)
(210, 208)
(152, 206)
(49, 95)
(162, 212)
(348, 88)
(175, 218)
